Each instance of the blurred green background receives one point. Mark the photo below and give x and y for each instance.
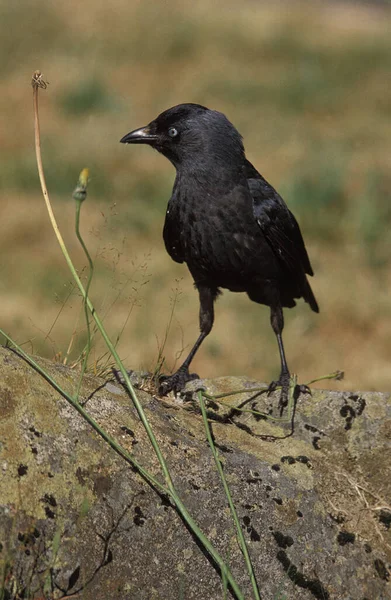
(308, 86)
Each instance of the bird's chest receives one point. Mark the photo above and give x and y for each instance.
(212, 234)
(188, 228)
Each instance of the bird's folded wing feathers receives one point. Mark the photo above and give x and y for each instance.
(278, 224)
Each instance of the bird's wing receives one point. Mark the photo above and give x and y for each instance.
(278, 224)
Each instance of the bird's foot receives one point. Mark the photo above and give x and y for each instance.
(175, 382)
(284, 383)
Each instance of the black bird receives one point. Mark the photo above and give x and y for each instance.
(227, 223)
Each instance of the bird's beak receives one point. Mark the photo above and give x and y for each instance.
(139, 136)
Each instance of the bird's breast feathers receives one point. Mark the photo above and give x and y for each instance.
(219, 234)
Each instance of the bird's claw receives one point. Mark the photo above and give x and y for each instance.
(272, 387)
(176, 382)
(282, 382)
(303, 389)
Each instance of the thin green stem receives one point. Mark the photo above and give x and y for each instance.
(239, 532)
(87, 349)
(338, 375)
(168, 480)
(91, 308)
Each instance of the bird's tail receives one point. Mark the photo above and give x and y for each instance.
(309, 297)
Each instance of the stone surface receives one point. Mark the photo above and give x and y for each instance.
(76, 519)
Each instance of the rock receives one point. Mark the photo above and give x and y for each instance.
(76, 519)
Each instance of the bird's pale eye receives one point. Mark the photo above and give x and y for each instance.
(172, 132)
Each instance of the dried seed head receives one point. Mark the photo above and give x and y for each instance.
(37, 80)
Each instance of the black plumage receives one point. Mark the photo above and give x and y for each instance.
(227, 223)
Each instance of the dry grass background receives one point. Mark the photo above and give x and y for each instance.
(308, 86)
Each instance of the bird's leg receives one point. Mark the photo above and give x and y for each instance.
(277, 323)
(177, 381)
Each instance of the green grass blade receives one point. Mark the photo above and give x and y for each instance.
(239, 532)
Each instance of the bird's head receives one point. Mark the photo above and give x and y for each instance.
(190, 134)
